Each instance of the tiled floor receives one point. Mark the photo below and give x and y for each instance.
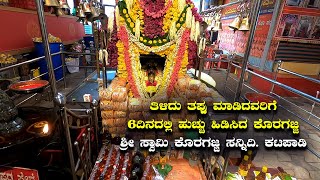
(301, 163)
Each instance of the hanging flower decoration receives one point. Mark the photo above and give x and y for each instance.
(168, 28)
(151, 26)
(192, 56)
(126, 55)
(181, 52)
(155, 14)
(112, 46)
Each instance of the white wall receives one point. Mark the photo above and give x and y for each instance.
(71, 4)
(109, 10)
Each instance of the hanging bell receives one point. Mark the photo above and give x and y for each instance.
(64, 4)
(235, 25)
(245, 26)
(217, 26)
(86, 8)
(80, 13)
(59, 12)
(95, 12)
(51, 3)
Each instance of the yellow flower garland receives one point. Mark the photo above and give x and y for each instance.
(135, 13)
(135, 51)
(122, 70)
(173, 12)
(185, 62)
(168, 50)
(136, 67)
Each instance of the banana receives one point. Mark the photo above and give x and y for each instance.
(105, 52)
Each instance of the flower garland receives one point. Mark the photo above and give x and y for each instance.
(195, 11)
(135, 66)
(178, 61)
(136, 13)
(169, 64)
(122, 70)
(151, 28)
(171, 53)
(123, 36)
(185, 61)
(112, 46)
(156, 14)
(162, 27)
(171, 15)
(156, 40)
(153, 20)
(148, 49)
(192, 55)
(137, 73)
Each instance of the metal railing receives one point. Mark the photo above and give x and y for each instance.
(314, 100)
(63, 54)
(83, 118)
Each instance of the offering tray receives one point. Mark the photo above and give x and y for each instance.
(26, 87)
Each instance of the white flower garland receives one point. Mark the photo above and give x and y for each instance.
(136, 65)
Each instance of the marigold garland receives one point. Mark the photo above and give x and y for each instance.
(123, 36)
(157, 39)
(136, 67)
(136, 36)
(137, 13)
(171, 15)
(185, 61)
(121, 61)
(178, 61)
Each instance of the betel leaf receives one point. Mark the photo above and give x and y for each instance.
(287, 177)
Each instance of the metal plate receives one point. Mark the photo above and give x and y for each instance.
(26, 87)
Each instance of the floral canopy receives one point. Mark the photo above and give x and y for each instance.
(167, 28)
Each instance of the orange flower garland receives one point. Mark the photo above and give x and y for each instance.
(181, 52)
(123, 36)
